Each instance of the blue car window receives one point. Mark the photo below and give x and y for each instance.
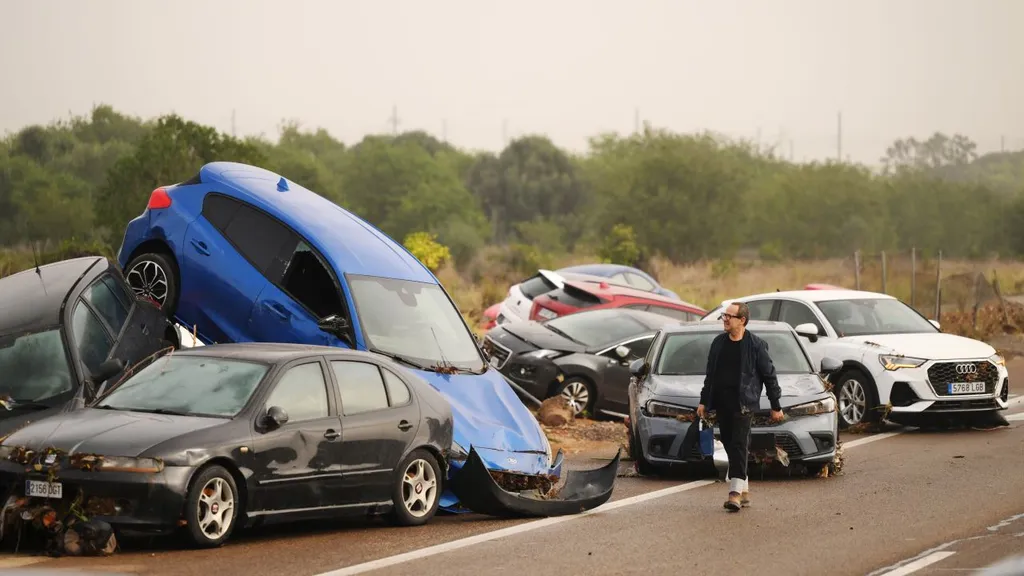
(308, 281)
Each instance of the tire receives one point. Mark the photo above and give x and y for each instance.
(577, 390)
(642, 466)
(418, 478)
(863, 395)
(213, 483)
(147, 275)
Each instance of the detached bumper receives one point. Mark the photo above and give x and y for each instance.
(142, 502)
(805, 439)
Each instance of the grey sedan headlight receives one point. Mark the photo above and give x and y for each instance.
(813, 408)
(664, 410)
(125, 464)
(895, 362)
(540, 354)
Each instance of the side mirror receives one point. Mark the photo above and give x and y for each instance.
(335, 325)
(809, 331)
(830, 365)
(622, 352)
(936, 324)
(637, 368)
(107, 370)
(276, 417)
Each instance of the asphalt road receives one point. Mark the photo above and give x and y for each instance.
(908, 501)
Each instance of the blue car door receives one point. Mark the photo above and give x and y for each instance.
(226, 251)
(300, 291)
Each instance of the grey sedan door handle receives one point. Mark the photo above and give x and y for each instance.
(331, 434)
(404, 426)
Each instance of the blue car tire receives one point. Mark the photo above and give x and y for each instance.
(154, 275)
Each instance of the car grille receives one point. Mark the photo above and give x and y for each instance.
(496, 351)
(941, 374)
(785, 441)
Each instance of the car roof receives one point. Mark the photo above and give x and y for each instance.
(33, 299)
(275, 352)
(351, 244)
(609, 290)
(599, 269)
(652, 320)
(816, 295)
(754, 326)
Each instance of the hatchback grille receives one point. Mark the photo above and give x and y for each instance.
(942, 374)
(496, 351)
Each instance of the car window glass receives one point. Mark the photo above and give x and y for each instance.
(106, 303)
(795, 314)
(397, 390)
(308, 281)
(639, 348)
(361, 386)
(640, 282)
(301, 392)
(219, 210)
(618, 278)
(670, 312)
(91, 338)
(761, 309)
(258, 237)
(120, 289)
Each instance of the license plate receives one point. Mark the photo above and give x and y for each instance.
(44, 489)
(967, 388)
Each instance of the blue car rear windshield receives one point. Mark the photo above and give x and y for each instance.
(194, 385)
(415, 320)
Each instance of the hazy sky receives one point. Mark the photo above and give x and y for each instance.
(566, 68)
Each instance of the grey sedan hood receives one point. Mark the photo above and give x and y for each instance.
(685, 390)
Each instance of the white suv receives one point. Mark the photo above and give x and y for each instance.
(891, 354)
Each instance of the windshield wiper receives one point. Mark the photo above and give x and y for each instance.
(563, 334)
(402, 359)
(15, 404)
(161, 411)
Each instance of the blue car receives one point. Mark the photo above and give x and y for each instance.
(241, 254)
(624, 275)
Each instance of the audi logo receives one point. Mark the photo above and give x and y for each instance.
(966, 369)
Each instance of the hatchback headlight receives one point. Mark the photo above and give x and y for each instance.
(997, 360)
(663, 410)
(125, 464)
(813, 408)
(895, 362)
(540, 354)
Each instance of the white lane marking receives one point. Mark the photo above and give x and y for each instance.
(15, 562)
(518, 529)
(534, 525)
(920, 563)
(1014, 400)
(1015, 417)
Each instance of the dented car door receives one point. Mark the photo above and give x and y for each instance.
(297, 463)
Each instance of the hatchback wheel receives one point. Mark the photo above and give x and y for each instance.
(212, 507)
(578, 393)
(154, 276)
(417, 490)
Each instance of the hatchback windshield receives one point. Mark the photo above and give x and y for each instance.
(687, 353)
(597, 327)
(415, 320)
(34, 367)
(192, 385)
(861, 317)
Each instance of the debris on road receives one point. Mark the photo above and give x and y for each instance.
(554, 411)
(582, 436)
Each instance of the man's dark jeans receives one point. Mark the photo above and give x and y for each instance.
(735, 432)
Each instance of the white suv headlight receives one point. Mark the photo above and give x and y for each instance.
(997, 360)
(895, 362)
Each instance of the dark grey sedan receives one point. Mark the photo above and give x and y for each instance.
(583, 356)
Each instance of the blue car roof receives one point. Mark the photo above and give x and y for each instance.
(349, 243)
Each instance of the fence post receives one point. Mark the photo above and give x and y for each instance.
(913, 275)
(884, 291)
(938, 288)
(856, 268)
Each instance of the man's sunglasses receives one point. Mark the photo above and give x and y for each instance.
(724, 316)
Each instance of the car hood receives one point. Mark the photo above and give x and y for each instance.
(796, 389)
(106, 432)
(937, 346)
(534, 334)
(487, 413)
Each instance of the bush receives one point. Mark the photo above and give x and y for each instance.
(425, 247)
(620, 246)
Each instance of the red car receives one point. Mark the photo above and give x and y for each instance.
(580, 295)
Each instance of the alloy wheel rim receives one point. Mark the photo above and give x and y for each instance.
(216, 508)
(852, 401)
(419, 488)
(149, 280)
(576, 395)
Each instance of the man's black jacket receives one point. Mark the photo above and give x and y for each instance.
(756, 370)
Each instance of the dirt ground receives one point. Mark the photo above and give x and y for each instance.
(585, 438)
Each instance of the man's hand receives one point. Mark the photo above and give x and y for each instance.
(777, 416)
(700, 411)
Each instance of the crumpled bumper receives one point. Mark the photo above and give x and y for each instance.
(478, 490)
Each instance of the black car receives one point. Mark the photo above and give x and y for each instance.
(67, 329)
(211, 437)
(583, 356)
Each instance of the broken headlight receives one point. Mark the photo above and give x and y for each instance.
(124, 464)
(5, 451)
(663, 410)
(541, 354)
(895, 362)
(812, 408)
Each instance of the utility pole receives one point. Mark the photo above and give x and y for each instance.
(394, 120)
(790, 149)
(504, 132)
(444, 130)
(233, 132)
(839, 138)
(636, 120)
(1002, 143)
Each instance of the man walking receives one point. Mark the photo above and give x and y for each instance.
(738, 367)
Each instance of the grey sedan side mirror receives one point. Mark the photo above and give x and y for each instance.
(276, 417)
(637, 367)
(622, 352)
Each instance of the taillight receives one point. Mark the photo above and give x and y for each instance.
(159, 199)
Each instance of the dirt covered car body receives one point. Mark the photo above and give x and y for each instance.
(251, 256)
(217, 436)
(665, 392)
(66, 329)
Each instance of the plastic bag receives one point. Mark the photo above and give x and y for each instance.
(706, 438)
